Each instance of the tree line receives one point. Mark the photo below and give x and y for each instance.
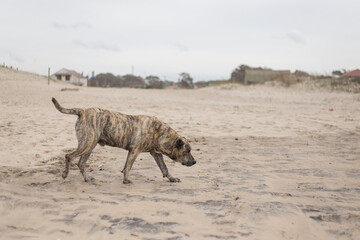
(185, 80)
(132, 81)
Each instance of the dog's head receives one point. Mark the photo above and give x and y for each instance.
(181, 152)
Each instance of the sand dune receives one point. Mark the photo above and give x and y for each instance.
(273, 163)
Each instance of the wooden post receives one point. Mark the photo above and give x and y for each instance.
(49, 76)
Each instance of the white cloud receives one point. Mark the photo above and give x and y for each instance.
(16, 58)
(75, 26)
(97, 46)
(296, 37)
(180, 47)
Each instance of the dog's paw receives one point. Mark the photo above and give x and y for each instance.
(89, 179)
(127, 181)
(172, 179)
(64, 174)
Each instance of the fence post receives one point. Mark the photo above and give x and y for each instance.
(49, 76)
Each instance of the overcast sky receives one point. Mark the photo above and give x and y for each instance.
(207, 39)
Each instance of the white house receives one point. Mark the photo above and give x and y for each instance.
(70, 76)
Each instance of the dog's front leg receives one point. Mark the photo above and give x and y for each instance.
(160, 162)
(81, 165)
(128, 165)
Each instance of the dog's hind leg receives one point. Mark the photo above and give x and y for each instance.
(161, 164)
(81, 165)
(84, 148)
(128, 165)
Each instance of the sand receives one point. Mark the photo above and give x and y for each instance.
(272, 163)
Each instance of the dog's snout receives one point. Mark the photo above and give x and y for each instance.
(189, 164)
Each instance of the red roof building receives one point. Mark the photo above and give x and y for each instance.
(354, 73)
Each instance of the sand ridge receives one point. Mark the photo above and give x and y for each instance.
(272, 163)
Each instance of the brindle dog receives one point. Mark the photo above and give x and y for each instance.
(135, 133)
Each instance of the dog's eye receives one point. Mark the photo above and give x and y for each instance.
(188, 148)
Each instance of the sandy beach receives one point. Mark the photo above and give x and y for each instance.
(272, 163)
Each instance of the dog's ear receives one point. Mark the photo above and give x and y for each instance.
(179, 143)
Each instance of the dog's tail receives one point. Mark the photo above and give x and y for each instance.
(74, 111)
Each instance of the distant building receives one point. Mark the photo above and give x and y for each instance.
(70, 76)
(354, 73)
(247, 75)
(261, 76)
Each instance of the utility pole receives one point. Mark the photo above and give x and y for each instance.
(49, 76)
